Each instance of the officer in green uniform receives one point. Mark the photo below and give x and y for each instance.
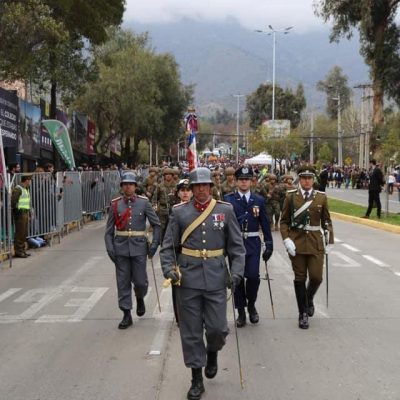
(21, 205)
(216, 191)
(164, 198)
(272, 206)
(229, 185)
(150, 183)
(307, 233)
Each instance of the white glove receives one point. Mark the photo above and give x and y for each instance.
(290, 246)
(328, 248)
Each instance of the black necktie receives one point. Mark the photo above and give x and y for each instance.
(244, 200)
(306, 194)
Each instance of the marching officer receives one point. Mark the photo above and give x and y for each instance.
(250, 213)
(200, 234)
(150, 183)
(307, 233)
(216, 190)
(21, 206)
(127, 246)
(229, 185)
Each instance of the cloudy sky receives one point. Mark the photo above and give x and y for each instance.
(253, 14)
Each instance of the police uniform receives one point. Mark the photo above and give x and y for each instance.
(126, 243)
(251, 215)
(305, 218)
(201, 296)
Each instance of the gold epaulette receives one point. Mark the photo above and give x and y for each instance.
(117, 198)
(292, 191)
(180, 204)
(143, 197)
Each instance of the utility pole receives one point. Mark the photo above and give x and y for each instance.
(312, 138)
(238, 96)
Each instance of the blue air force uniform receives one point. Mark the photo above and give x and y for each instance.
(251, 215)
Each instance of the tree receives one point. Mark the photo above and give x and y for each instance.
(379, 38)
(288, 105)
(334, 85)
(325, 154)
(48, 42)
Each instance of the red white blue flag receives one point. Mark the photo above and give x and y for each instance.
(191, 127)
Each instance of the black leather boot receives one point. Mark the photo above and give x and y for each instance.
(301, 297)
(126, 321)
(197, 388)
(253, 314)
(312, 288)
(241, 319)
(140, 307)
(212, 364)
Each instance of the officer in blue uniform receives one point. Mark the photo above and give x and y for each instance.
(250, 213)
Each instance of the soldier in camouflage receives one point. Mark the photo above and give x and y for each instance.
(229, 185)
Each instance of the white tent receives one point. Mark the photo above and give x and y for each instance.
(260, 159)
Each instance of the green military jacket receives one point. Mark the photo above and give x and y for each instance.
(316, 215)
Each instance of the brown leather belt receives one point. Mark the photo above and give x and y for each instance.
(130, 233)
(202, 253)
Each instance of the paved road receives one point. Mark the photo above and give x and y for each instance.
(360, 196)
(58, 336)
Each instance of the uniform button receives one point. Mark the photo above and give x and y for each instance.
(203, 232)
(204, 241)
(204, 224)
(130, 207)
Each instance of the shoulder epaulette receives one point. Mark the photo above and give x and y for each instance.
(292, 191)
(143, 197)
(319, 191)
(180, 204)
(224, 202)
(117, 198)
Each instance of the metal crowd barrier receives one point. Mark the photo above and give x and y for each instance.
(71, 193)
(111, 186)
(5, 221)
(92, 192)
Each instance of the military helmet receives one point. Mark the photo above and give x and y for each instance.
(153, 169)
(306, 170)
(272, 176)
(170, 171)
(200, 175)
(288, 177)
(128, 177)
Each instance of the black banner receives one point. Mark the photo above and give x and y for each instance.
(9, 117)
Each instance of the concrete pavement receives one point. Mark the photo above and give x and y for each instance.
(59, 336)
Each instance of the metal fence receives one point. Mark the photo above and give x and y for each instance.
(71, 193)
(5, 219)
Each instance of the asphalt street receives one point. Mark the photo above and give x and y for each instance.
(360, 196)
(59, 338)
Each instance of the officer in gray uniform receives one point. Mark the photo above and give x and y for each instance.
(127, 246)
(200, 234)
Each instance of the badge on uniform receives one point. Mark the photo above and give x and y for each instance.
(218, 221)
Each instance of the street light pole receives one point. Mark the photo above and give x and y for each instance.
(312, 138)
(339, 130)
(273, 32)
(238, 96)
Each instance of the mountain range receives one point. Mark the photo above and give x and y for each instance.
(224, 58)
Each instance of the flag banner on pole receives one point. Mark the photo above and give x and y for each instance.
(60, 137)
(191, 127)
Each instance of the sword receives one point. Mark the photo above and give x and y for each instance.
(267, 278)
(155, 284)
(326, 233)
(237, 342)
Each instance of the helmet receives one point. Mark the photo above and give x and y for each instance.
(229, 171)
(200, 175)
(170, 171)
(272, 177)
(128, 177)
(153, 169)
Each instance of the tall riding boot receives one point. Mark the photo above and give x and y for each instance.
(126, 320)
(211, 368)
(140, 307)
(241, 319)
(312, 288)
(197, 388)
(301, 297)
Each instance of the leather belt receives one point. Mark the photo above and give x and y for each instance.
(311, 228)
(250, 234)
(202, 253)
(130, 233)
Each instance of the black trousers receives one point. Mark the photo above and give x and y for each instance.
(373, 196)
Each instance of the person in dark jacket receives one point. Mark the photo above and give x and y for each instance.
(376, 182)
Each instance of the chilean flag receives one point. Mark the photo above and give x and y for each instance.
(191, 150)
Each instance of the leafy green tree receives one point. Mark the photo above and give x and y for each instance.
(288, 105)
(335, 84)
(379, 38)
(325, 154)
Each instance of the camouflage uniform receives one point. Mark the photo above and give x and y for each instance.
(229, 185)
(273, 203)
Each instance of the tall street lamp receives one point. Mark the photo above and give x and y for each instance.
(339, 130)
(273, 32)
(238, 96)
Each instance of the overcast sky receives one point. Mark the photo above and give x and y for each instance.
(253, 14)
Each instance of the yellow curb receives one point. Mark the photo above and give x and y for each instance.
(368, 222)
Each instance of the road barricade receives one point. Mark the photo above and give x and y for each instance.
(71, 193)
(5, 220)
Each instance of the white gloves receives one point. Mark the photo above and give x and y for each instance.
(328, 248)
(290, 246)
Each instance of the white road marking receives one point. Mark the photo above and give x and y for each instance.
(9, 293)
(397, 273)
(337, 240)
(375, 261)
(349, 262)
(347, 246)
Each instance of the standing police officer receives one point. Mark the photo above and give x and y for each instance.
(127, 245)
(200, 234)
(250, 213)
(305, 220)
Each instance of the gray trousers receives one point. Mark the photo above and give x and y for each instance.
(131, 271)
(199, 310)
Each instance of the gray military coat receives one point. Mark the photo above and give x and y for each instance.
(141, 210)
(219, 231)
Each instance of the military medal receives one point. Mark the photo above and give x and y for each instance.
(218, 221)
(256, 211)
